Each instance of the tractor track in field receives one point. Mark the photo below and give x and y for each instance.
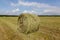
(55, 33)
(5, 31)
(8, 31)
(8, 24)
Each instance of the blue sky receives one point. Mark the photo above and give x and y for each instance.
(39, 7)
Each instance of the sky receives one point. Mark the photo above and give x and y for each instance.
(39, 7)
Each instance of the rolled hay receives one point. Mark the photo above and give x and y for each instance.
(28, 23)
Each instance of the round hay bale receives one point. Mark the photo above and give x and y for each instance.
(28, 23)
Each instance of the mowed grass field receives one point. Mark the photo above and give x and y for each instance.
(49, 29)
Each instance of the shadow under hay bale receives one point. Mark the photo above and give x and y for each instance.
(28, 23)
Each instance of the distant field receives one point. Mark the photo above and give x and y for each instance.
(49, 29)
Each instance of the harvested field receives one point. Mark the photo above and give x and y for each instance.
(49, 29)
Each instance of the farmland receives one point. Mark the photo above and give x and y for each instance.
(49, 29)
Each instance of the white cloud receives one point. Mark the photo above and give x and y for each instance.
(13, 11)
(25, 11)
(32, 11)
(34, 4)
(16, 10)
(53, 10)
(50, 11)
